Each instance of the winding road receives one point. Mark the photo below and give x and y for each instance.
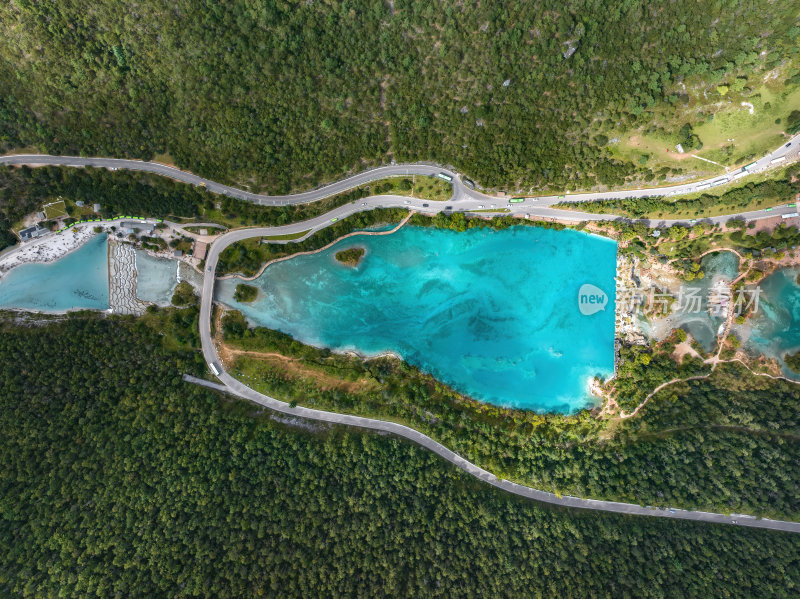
(465, 195)
(464, 199)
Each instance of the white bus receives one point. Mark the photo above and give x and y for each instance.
(777, 160)
(213, 368)
(446, 177)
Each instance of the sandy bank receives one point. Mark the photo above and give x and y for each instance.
(49, 248)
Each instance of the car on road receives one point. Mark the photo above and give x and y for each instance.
(333, 220)
(363, 203)
(448, 207)
(406, 202)
(787, 145)
(481, 206)
(425, 205)
(493, 206)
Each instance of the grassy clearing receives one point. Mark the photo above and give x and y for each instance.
(288, 236)
(753, 134)
(79, 212)
(55, 210)
(432, 188)
(164, 158)
(656, 152)
(730, 134)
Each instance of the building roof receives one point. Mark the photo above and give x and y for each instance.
(177, 253)
(31, 232)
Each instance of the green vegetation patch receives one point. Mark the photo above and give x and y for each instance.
(184, 295)
(432, 188)
(350, 257)
(793, 361)
(287, 236)
(245, 293)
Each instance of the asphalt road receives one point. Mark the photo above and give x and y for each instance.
(461, 192)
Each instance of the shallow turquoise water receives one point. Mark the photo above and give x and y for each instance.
(493, 313)
(776, 325)
(702, 325)
(78, 280)
(155, 278)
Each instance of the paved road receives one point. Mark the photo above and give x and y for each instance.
(461, 191)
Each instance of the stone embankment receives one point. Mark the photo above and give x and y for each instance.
(122, 280)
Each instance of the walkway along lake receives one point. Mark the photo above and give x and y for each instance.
(492, 313)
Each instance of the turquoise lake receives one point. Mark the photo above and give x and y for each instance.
(702, 325)
(492, 313)
(156, 278)
(78, 280)
(776, 326)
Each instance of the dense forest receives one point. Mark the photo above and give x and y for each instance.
(282, 95)
(119, 479)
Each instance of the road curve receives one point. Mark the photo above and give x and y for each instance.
(232, 385)
(785, 153)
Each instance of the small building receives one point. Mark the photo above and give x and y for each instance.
(96, 208)
(178, 254)
(656, 233)
(41, 215)
(32, 233)
(199, 250)
(79, 203)
(133, 226)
